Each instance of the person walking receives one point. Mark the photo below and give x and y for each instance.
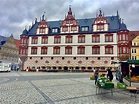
(96, 74)
(110, 75)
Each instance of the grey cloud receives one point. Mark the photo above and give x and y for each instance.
(14, 13)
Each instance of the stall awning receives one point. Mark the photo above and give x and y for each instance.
(133, 61)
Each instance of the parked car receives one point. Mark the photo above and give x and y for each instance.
(119, 76)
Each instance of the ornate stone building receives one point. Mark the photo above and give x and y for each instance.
(8, 50)
(74, 44)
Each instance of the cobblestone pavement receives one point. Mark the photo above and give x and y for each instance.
(17, 88)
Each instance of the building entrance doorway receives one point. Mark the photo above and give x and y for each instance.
(65, 68)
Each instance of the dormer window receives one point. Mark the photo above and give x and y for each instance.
(100, 27)
(85, 28)
(73, 28)
(65, 29)
(55, 30)
(42, 31)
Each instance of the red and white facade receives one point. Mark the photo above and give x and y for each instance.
(71, 46)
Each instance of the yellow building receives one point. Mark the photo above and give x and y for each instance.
(135, 48)
(8, 49)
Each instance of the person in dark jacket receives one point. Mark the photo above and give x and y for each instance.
(110, 75)
(96, 74)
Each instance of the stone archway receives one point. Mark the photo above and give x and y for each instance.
(65, 68)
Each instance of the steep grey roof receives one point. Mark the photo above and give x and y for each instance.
(123, 27)
(25, 32)
(114, 25)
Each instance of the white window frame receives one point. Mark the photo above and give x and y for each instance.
(85, 28)
(54, 30)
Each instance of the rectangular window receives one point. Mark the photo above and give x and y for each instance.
(23, 51)
(86, 28)
(55, 30)
(120, 37)
(65, 29)
(44, 40)
(126, 37)
(73, 28)
(23, 41)
(96, 50)
(81, 39)
(108, 38)
(134, 58)
(100, 27)
(57, 40)
(123, 49)
(56, 50)
(133, 50)
(44, 51)
(34, 40)
(95, 38)
(134, 43)
(108, 50)
(34, 51)
(41, 30)
(81, 50)
(123, 37)
(68, 40)
(68, 51)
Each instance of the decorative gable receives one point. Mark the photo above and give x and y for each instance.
(43, 27)
(69, 25)
(100, 23)
(135, 41)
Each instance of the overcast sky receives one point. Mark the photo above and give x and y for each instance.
(16, 14)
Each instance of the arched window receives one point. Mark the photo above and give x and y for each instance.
(81, 39)
(57, 39)
(56, 50)
(95, 49)
(34, 40)
(108, 37)
(33, 50)
(44, 40)
(108, 49)
(44, 50)
(81, 50)
(95, 38)
(68, 39)
(68, 50)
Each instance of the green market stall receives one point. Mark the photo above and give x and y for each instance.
(104, 83)
(132, 76)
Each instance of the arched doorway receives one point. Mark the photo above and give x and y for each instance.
(65, 68)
